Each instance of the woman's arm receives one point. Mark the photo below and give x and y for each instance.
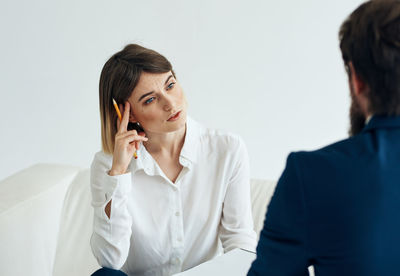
(236, 229)
(111, 235)
(111, 186)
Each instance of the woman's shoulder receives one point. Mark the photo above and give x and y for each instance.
(102, 159)
(223, 136)
(219, 137)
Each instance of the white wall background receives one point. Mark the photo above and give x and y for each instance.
(270, 71)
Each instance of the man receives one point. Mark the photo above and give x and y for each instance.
(338, 208)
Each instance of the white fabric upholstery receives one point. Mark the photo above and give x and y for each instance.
(261, 193)
(74, 255)
(31, 203)
(46, 220)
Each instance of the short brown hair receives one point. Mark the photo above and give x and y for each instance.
(370, 39)
(118, 79)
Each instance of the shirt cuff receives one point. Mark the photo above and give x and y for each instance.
(116, 188)
(118, 185)
(246, 243)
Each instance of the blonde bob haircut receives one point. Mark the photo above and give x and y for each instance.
(118, 79)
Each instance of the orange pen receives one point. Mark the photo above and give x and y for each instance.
(120, 119)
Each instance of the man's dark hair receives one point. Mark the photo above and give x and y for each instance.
(370, 39)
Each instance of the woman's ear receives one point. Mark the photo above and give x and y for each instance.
(132, 118)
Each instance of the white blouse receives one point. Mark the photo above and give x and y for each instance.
(160, 228)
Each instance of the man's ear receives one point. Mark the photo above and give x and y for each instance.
(360, 90)
(359, 86)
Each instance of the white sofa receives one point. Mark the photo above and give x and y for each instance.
(46, 220)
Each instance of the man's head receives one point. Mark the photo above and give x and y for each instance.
(370, 45)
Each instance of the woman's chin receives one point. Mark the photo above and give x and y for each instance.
(177, 124)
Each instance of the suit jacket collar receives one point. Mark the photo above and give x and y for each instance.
(381, 121)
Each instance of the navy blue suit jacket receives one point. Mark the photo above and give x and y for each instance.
(337, 208)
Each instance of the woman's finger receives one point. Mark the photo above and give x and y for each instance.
(133, 131)
(119, 119)
(125, 118)
(118, 124)
(135, 144)
(130, 134)
(131, 138)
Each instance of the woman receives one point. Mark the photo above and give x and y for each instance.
(188, 190)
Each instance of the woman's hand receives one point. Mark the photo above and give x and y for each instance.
(126, 143)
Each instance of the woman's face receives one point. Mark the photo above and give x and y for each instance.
(158, 103)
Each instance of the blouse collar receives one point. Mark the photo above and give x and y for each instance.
(187, 158)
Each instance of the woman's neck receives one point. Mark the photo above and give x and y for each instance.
(169, 144)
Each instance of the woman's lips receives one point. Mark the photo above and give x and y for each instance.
(174, 117)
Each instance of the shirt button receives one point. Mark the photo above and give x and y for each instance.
(177, 214)
(176, 261)
(179, 239)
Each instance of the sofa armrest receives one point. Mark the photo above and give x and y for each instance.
(30, 207)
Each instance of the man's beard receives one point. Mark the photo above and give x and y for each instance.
(357, 118)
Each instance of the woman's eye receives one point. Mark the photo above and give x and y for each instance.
(171, 85)
(149, 100)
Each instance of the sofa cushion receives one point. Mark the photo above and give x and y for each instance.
(261, 193)
(74, 255)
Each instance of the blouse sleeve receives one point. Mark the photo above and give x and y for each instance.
(110, 239)
(236, 229)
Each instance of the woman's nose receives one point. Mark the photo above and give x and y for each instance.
(169, 103)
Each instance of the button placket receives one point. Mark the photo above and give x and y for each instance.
(177, 233)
